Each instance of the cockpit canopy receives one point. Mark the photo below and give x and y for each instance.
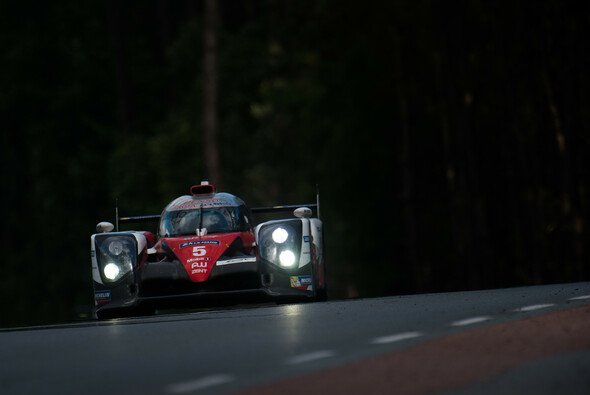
(220, 213)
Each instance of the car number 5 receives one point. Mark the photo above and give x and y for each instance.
(199, 251)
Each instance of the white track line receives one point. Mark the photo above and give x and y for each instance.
(535, 307)
(198, 384)
(312, 356)
(580, 297)
(471, 321)
(209, 381)
(395, 338)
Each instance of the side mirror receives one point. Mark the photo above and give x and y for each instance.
(302, 212)
(104, 227)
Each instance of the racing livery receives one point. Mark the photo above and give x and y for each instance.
(207, 249)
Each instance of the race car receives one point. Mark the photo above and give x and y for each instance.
(207, 250)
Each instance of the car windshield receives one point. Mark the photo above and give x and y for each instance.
(186, 222)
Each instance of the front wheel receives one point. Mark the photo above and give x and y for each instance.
(321, 295)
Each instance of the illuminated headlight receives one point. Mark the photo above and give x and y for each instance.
(287, 258)
(280, 235)
(116, 256)
(280, 242)
(111, 271)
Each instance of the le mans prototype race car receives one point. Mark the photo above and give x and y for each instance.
(207, 249)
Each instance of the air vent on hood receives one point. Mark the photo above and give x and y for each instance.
(203, 189)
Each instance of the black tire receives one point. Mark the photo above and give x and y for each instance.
(321, 295)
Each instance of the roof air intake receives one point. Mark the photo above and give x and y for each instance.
(204, 189)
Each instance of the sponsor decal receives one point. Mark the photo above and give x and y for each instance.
(306, 239)
(201, 258)
(189, 203)
(301, 282)
(198, 264)
(197, 242)
(236, 260)
(197, 271)
(102, 296)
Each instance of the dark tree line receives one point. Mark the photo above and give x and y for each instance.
(450, 141)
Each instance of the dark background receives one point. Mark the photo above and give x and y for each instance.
(449, 140)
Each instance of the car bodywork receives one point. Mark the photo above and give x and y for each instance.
(207, 250)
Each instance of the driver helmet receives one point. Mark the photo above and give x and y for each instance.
(214, 221)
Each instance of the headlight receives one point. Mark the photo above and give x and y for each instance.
(280, 242)
(287, 258)
(111, 271)
(280, 235)
(116, 247)
(116, 256)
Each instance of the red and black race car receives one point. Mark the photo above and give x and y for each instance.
(208, 250)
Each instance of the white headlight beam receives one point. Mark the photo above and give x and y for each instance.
(111, 271)
(287, 258)
(280, 235)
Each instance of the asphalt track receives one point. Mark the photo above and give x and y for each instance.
(529, 340)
